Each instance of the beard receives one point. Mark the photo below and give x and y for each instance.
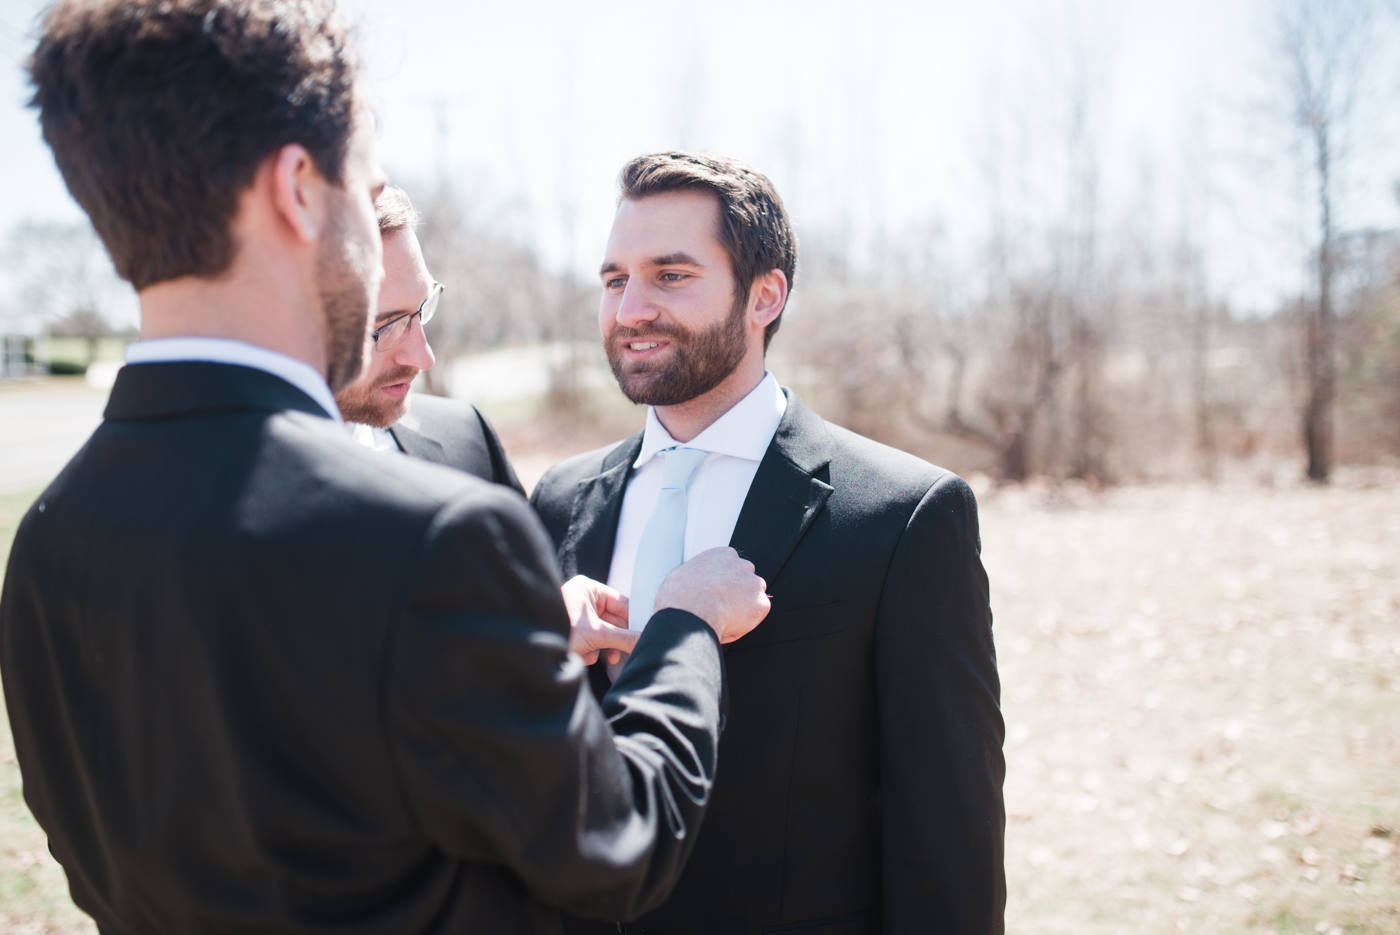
(345, 280)
(361, 402)
(700, 359)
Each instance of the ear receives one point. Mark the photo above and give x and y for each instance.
(298, 192)
(768, 296)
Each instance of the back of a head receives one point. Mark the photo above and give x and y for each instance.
(159, 113)
(754, 226)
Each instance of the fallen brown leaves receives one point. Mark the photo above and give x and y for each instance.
(1202, 694)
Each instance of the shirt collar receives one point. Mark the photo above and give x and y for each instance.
(372, 436)
(745, 431)
(225, 351)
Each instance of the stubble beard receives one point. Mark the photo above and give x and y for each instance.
(362, 403)
(700, 360)
(345, 279)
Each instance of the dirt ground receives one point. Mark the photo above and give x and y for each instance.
(1202, 695)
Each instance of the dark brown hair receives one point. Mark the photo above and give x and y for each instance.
(395, 212)
(754, 227)
(159, 113)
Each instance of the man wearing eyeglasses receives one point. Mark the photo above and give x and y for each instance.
(377, 406)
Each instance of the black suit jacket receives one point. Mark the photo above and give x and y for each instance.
(456, 434)
(861, 785)
(263, 679)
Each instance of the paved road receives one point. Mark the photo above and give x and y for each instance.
(41, 426)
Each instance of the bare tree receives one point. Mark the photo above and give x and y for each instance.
(499, 290)
(1326, 53)
(60, 273)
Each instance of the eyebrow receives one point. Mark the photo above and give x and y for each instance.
(676, 259)
(670, 259)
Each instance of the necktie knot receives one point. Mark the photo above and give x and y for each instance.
(680, 464)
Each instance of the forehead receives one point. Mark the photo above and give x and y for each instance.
(406, 279)
(402, 251)
(685, 221)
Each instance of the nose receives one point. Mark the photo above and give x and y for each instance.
(636, 308)
(415, 350)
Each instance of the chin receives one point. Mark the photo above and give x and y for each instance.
(378, 413)
(388, 415)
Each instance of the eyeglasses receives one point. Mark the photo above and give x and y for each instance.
(391, 334)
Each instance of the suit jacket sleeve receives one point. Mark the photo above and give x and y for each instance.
(501, 469)
(941, 729)
(505, 756)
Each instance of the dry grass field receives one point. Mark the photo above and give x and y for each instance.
(1202, 694)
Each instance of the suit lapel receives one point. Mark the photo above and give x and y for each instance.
(588, 547)
(419, 446)
(787, 492)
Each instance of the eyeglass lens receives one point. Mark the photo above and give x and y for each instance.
(392, 334)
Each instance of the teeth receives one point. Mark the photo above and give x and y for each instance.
(642, 345)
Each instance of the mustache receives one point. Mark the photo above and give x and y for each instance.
(401, 375)
(622, 333)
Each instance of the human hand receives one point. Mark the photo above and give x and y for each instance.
(721, 589)
(597, 620)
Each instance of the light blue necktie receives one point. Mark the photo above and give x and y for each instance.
(662, 546)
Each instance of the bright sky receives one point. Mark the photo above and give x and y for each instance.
(870, 117)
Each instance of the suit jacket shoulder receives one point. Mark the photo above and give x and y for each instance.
(555, 495)
(457, 434)
(578, 467)
(882, 473)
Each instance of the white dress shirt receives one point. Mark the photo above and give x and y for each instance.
(737, 442)
(371, 437)
(225, 351)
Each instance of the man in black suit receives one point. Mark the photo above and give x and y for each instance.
(380, 408)
(862, 771)
(260, 678)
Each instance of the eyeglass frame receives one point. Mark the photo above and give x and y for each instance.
(436, 292)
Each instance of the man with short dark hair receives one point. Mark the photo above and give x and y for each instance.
(861, 785)
(377, 405)
(261, 679)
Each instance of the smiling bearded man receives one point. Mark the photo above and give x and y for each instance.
(700, 358)
(861, 787)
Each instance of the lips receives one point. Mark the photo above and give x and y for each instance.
(399, 383)
(642, 350)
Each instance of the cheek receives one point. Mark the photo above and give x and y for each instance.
(700, 306)
(607, 314)
(375, 363)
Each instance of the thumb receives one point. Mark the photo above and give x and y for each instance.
(610, 637)
(612, 605)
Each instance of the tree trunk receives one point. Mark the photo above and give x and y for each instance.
(1317, 414)
(1014, 463)
(1200, 387)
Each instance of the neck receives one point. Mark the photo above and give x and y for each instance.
(688, 419)
(267, 309)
